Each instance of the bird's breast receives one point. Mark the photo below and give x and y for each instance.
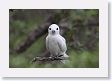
(53, 42)
(53, 46)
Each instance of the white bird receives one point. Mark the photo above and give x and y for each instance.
(55, 43)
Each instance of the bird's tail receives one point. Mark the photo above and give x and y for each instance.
(66, 58)
(65, 55)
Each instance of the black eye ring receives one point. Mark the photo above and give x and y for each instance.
(49, 28)
(56, 28)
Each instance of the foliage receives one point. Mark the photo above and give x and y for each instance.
(82, 37)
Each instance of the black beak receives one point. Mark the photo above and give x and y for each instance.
(53, 31)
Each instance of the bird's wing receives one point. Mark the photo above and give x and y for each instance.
(47, 43)
(62, 44)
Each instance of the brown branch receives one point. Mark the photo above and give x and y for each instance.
(30, 39)
(34, 35)
(41, 30)
(45, 59)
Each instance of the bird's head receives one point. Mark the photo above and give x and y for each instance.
(53, 29)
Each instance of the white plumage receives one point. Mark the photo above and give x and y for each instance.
(55, 43)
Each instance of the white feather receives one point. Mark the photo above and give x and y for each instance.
(55, 43)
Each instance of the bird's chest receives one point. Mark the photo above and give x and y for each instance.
(53, 42)
(53, 45)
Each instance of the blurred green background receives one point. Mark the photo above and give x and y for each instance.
(82, 36)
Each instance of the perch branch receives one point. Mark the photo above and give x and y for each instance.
(37, 59)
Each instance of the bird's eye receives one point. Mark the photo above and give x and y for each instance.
(56, 28)
(49, 28)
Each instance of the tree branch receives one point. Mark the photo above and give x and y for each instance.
(30, 39)
(44, 59)
(39, 31)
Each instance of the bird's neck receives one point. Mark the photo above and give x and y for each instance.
(53, 34)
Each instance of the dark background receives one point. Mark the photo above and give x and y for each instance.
(28, 30)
